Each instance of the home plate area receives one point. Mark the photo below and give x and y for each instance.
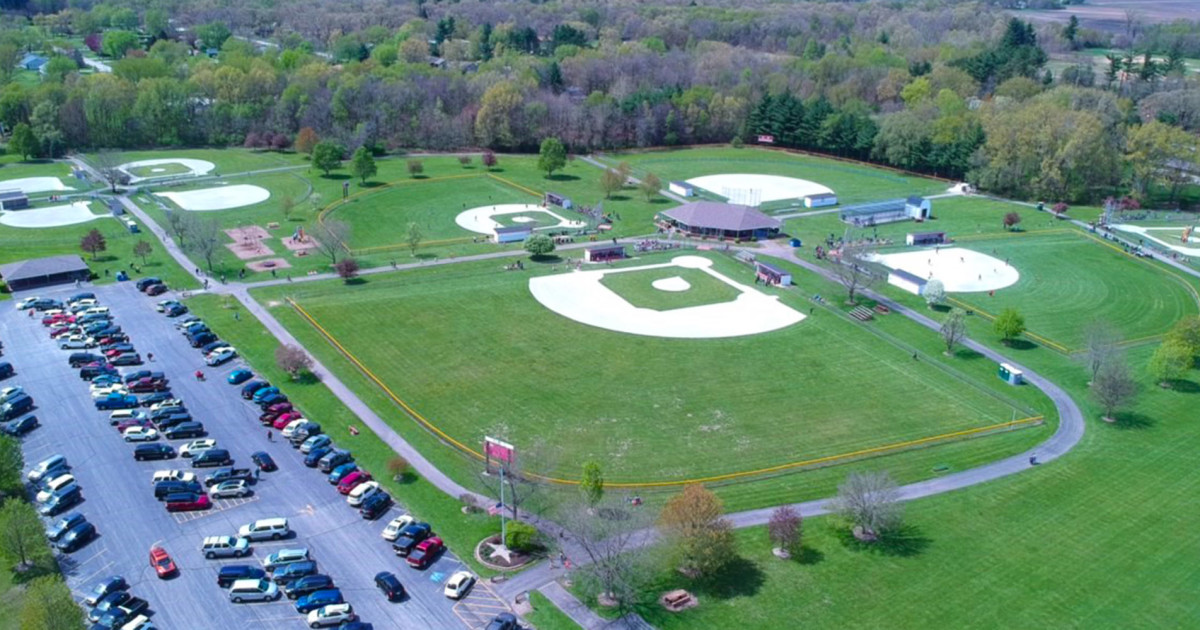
(219, 505)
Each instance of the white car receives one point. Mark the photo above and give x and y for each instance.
(459, 584)
(220, 355)
(140, 622)
(76, 342)
(27, 302)
(195, 447)
(361, 492)
(290, 429)
(172, 475)
(231, 488)
(8, 393)
(137, 433)
(93, 309)
(392, 531)
(162, 306)
(102, 391)
(57, 485)
(331, 615)
(170, 402)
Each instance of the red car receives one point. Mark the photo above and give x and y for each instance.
(195, 502)
(353, 479)
(163, 565)
(58, 318)
(135, 422)
(280, 408)
(62, 330)
(284, 419)
(268, 419)
(425, 552)
(143, 385)
(156, 289)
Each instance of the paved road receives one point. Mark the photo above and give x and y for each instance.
(118, 497)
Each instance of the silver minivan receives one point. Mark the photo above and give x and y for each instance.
(265, 529)
(253, 591)
(52, 463)
(224, 547)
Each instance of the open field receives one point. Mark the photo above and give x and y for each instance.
(558, 377)
(12, 168)
(637, 288)
(161, 170)
(1112, 15)
(228, 161)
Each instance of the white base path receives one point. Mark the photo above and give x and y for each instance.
(53, 216)
(480, 219)
(770, 187)
(222, 198)
(1147, 232)
(30, 185)
(581, 296)
(198, 167)
(960, 270)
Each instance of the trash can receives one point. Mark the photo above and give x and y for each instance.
(796, 243)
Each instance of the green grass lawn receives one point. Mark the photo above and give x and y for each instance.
(469, 347)
(637, 288)
(11, 167)
(852, 182)
(159, 170)
(547, 616)
(228, 161)
(540, 219)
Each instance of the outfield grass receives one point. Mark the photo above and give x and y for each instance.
(852, 182)
(159, 170)
(651, 409)
(637, 288)
(228, 161)
(11, 167)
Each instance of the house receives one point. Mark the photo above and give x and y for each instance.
(30, 61)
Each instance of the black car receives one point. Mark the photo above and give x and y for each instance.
(231, 573)
(104, 588)
(141, 374)
(249, 389)
(264, 461)
(503, 621)
(410, 536)
(76, 537)
(212, 457)
(271, 399)
(83, 358)
(61, 502)
(109, 602)
(16, 406)
(88, 372)
(154, 398)
(64, 524)
(146, 282)
(6, 369)
(164, 488)
(185, 430)
(81, 296)
(200, 339)
(314, 456)
(389, 585)
(172, 420)
(308, 584)
(45, 304)
(20, 426)
(164, 412)
(209, 347)
(375, 505)
(153, 451)
(175, 310)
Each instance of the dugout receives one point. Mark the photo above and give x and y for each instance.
(771, 275)
(13, 200)
(820, 200)
(683, 189)
(604, 253)
(555, 199)
(925, 238)
(512, 234)
(909, 282)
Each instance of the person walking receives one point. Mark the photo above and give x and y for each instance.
(270, 437)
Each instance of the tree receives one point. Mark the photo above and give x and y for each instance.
(286, 205)
(539, 245)
(108, 163)
(1187, 332)
(1113, 386)
(213, 34)
(701, 540)
(464, 161)
(1009, 325)
(784, 528)
(954, 329)
(11, 461)
(850, 267)
(610, 182)
(650, 186)
(591, 483)
(48, 605)
(332, 236)
(1101, 345)
(415, 168)
(521, 537)
(489, 160)
(362, 164)
(293, 360)
(552, 156)
(206, 240)
(414, 237)
(612, 569)
(1011, 219)
(142, 249)
(327, 156)
(180, 224)
(1071, 31)
(116, 43)
(93, 242)
(935, 293)
(347, 269)
(398, 467)
(20, 533)
(23, 142)
(871, 502)
(306, 140)
(1170, 362)
(1155, 151)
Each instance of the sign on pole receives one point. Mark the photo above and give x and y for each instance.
(498, 450)
(766, 139)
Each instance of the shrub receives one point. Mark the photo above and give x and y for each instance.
(521, 537)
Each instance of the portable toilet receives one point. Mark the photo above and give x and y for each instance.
(132, 226)
(1010, 374)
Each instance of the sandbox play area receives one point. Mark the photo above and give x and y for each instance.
(752, 190)
(143, 170)
(960, 270)
(30, 185)
(49, 217)
(220, 198)
(581, 296)
(480, 219)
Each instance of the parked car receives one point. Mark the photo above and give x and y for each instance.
(283, 557)
(164, 489)
(107, 603)
(187, 502)
(263, 392)
(375, 506)
(239, 376)
(129, 358)
(351, 481)
(76, 342)
(194, 328)
(117, 349)
(197, 446)
(286, 419)
(6, 370)
(229, 489)
(308, 584)
(60, 502)
(503, 621)
(145, 283)
(156, 289)
(208, 348)
(409, 538)
(220, 356)
(55, 486)
(91, 370)
(20, 404)
(317, 599)
(333, 460)
(224, 547)
(139, 433)
(162, 563)
(64, 524)
(172, 419)
(153, 399)
(48, 468)
(162, 305)
(187, 430)
(82, 358)
(264, 461)
(268, 529)
(231, 573)
(251, 388)
(153, 451)
(172, 475)
(253, 590)
(117, 400)
(459, 584)
(315, 441)
(332, 615)
(175, 310)
(425, 553)
(392, 531)
(76, 537)
(20, 426)
(134, 422)
(199, 339)
(212, 457)
(147, 385)
(222, 475)
(389, 585)
(314, 456)
(339, 473)
(271, 399)
(104, 588)
(293, 571)
(184, 322)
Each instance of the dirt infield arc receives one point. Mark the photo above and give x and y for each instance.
(830, 460)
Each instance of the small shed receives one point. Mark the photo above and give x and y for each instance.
(1010, 374)
(919, 208)
(683, 189)
(40, 272)
(820, 200)
(13, 200)
(33, 62)
(555, 199)
(771, 275)
(604, 253)
(513, 233)
(115, 207)
(909, 282)
(925, 238)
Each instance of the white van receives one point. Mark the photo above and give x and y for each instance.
(57, 485)
(140, 622)
(54, 462)
(121, 415)
(266, 528)
(253, 591)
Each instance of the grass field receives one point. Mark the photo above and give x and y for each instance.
(12, 168)
(547, 616)
(159, 170)
(637, 288)
(624, 399)
(228, 161)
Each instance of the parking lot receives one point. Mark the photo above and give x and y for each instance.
(119, 500)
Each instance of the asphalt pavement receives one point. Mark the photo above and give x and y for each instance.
(118, 496)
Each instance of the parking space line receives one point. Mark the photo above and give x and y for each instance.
(479, 606)
(220, 505)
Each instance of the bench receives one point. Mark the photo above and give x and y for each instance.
(677, 600)
(941, 468)
(882, 309)
(862, 314)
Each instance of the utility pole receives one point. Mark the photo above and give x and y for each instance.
(503, 520)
